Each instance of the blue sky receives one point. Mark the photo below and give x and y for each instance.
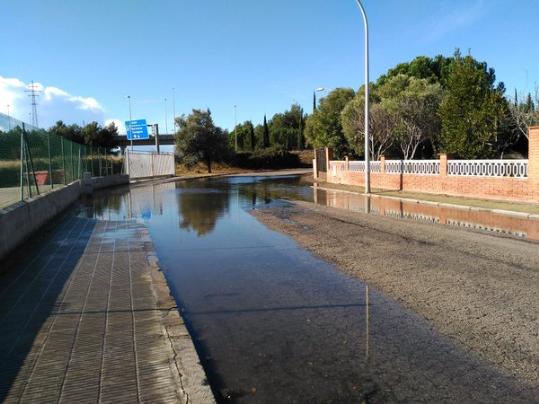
(259, 55)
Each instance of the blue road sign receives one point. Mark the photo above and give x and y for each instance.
(137, 129)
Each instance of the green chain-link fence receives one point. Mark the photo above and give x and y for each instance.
(33, 161)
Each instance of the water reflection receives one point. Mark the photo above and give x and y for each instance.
(429, 213)
(274, 324)
(200, 206)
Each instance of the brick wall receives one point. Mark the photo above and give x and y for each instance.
(495, 188)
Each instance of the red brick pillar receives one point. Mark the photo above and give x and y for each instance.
(533, 154)
(443, 165)
(383, 164)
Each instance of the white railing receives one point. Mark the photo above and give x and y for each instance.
(420, 167)
(488, 168)
(376, 166)
(357, 166)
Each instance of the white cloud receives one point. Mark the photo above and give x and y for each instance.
(119, 124)
(53, 103)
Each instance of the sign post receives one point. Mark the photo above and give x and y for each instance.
(136, 130)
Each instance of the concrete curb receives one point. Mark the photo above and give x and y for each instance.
(191, 380)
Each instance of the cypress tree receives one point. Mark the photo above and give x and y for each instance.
(266, 132)
(530, 107)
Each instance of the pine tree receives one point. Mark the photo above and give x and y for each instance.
(471, 110)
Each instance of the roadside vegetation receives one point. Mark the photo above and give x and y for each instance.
(427, 106)
(418, 109)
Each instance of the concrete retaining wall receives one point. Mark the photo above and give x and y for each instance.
(21, 220)
(90, 184)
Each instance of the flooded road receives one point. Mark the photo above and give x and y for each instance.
(273, 323)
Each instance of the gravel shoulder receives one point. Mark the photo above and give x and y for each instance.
(479, 290)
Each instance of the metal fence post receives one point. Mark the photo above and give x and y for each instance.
(80, 161)
(50, 161)
(22, 164)
(72, 163)
(63, 160)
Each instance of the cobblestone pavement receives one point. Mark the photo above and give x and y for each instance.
(86, 316)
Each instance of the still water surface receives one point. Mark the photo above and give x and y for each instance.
(274, 324)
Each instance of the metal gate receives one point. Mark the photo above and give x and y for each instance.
(321, 165)
(149, 164)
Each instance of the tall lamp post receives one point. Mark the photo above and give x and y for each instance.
(235, 129)
(166, 117)
(367, 165)
(130, 118)
(316, 90)
(8, 118)
(174, 108)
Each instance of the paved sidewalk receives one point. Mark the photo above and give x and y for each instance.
(86, 316)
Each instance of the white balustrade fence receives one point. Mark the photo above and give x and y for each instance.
(419, 167)
(141, 165)
(488, 168)
(358, 166)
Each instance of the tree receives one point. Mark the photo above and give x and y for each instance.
(523, 115)
(472, 109)
(265, 140)
(246, 136)
(435, 70)
(323, 128)
(286, 128)
(91, 134)
(382, 124)
(259, 136)
(198, 139)
(414, 103)
(71, 132)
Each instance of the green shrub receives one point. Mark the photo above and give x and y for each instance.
(270, 158)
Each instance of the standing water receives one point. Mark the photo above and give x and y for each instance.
(274, 324)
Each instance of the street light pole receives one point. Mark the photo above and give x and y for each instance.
(316, 90)
(174, 108)
(166, 117)
(367, 139)
(235, 130)
(130, 118)
(8, 118)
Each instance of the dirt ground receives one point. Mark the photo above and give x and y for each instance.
(479, 290)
